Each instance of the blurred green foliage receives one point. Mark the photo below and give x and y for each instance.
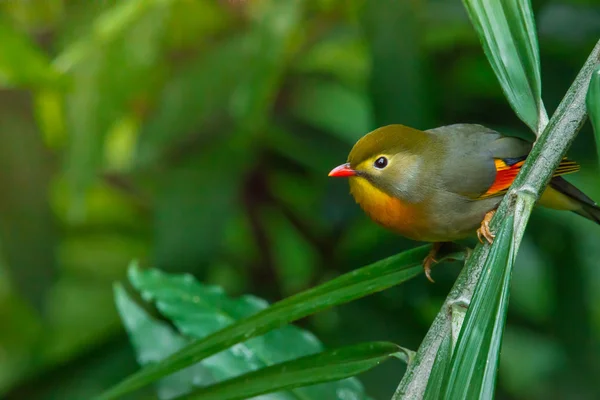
(196, 136)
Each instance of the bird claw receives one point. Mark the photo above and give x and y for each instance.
(430, 260)
(427, 263)
(484, 230)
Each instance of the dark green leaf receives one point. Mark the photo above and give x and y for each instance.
(508, 35)
(362, 282)
(333, 108)
(593, 105)
(330, 365)
(198, 311)
(472, 372)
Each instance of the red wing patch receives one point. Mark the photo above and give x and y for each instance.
(506, 174)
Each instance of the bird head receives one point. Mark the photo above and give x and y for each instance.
(387, 158)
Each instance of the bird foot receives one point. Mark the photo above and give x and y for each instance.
(430, 260)
(484, 230)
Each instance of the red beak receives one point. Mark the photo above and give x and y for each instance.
(343, 170)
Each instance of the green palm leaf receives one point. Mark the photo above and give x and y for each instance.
(472, 371)
(506, 30)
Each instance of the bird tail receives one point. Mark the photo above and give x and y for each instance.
(586, 207)
(590, 212)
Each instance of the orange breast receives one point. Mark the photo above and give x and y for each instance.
(407, 219)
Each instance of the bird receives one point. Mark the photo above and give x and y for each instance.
(445, 184)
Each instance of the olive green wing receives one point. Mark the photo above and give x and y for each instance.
(473, 156)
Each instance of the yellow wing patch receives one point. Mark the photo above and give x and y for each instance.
(566, 167)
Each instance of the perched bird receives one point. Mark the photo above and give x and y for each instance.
(445, 184)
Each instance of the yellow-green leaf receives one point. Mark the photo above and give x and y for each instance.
(22, 63)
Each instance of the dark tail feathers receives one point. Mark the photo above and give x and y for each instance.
(589, 209)
(590, 212)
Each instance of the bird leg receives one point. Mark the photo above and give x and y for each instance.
(430, 260)
(484, 230)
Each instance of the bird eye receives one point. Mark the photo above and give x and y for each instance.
(381, 163)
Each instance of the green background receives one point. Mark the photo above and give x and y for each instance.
(196, 136)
